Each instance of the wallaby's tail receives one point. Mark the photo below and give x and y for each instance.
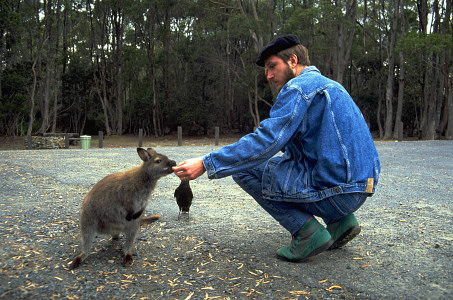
(149, 219)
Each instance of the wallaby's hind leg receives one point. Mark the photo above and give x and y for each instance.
(130, 234)
(87, 241)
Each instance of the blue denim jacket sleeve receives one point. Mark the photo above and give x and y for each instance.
(267, 140)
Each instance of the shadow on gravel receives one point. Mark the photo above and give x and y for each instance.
(226, 249)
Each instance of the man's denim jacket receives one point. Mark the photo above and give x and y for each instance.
(327, 146)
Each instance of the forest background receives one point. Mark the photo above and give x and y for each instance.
(118, 66)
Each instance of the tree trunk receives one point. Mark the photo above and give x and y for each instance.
(390, 75)
(33, 92)
(399, 107)
(1, 59)
(425, 101)
(432, 98)
(56, 73)
(156, 126)
(98, 67)
(258, 43)
(102, 95)
(46, 99)
(32, 95)
(441, 98)
(346, 31)
(227, 87)
(380, 80)
(271, 9)
(167, 66)
(153, 77)
(449, 134)
(118, 27)
(379, 111)
(428, 111)
(401, 79)
(445, 71)
(253, 106)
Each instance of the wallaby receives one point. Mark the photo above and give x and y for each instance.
(116, 203)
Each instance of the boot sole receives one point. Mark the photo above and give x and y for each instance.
(315, 252)
(346, 237)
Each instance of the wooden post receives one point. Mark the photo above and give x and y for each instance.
(101, 139)
(140, 137)
(179, 136)
(217, 135)
(66, 140)
(400, 131)
(29, 146)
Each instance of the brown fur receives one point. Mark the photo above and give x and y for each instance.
(116, 203)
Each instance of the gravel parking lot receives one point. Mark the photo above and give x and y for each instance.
(226, 249)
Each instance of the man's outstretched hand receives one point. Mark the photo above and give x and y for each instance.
(190, 169)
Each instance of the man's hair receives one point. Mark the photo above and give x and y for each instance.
(299, 50)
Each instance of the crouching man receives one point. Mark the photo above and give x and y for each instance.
(329, 164)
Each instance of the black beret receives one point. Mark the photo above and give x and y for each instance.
(276, 45)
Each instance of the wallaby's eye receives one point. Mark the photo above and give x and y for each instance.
(158, 161)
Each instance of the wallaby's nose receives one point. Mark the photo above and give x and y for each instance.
(172, 163)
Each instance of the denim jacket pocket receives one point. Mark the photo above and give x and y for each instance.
(284, 178)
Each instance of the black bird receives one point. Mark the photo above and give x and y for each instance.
(184, 196)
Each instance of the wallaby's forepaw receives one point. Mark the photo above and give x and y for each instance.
(138, 214)
(75, 263)
(127, 260)
(131, 216)
(149, 219)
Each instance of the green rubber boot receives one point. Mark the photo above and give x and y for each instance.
(311, 239)
(343, 231)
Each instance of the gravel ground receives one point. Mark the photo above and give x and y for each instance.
(226, 249)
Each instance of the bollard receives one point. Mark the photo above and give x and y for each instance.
(29, 142)
(179, 136)
(400, 131)
(217, 135)
(140, 137)
(101, 139)
(66, 140)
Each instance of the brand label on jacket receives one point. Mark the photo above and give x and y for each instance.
(369, 185)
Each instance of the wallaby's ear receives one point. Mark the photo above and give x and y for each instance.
(151, 152)
(144, 155)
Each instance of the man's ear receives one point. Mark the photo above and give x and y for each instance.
(292, 62)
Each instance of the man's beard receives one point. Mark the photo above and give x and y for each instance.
(288, 74)
(287, 77)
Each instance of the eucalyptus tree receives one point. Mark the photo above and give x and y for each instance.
(392, 34)
(434, 43)
(397, 131)
(443, 28)
(33, 41)
(247, 32)
(108, 21)
(13, 78)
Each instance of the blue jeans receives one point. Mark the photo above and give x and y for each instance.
(293, 215)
